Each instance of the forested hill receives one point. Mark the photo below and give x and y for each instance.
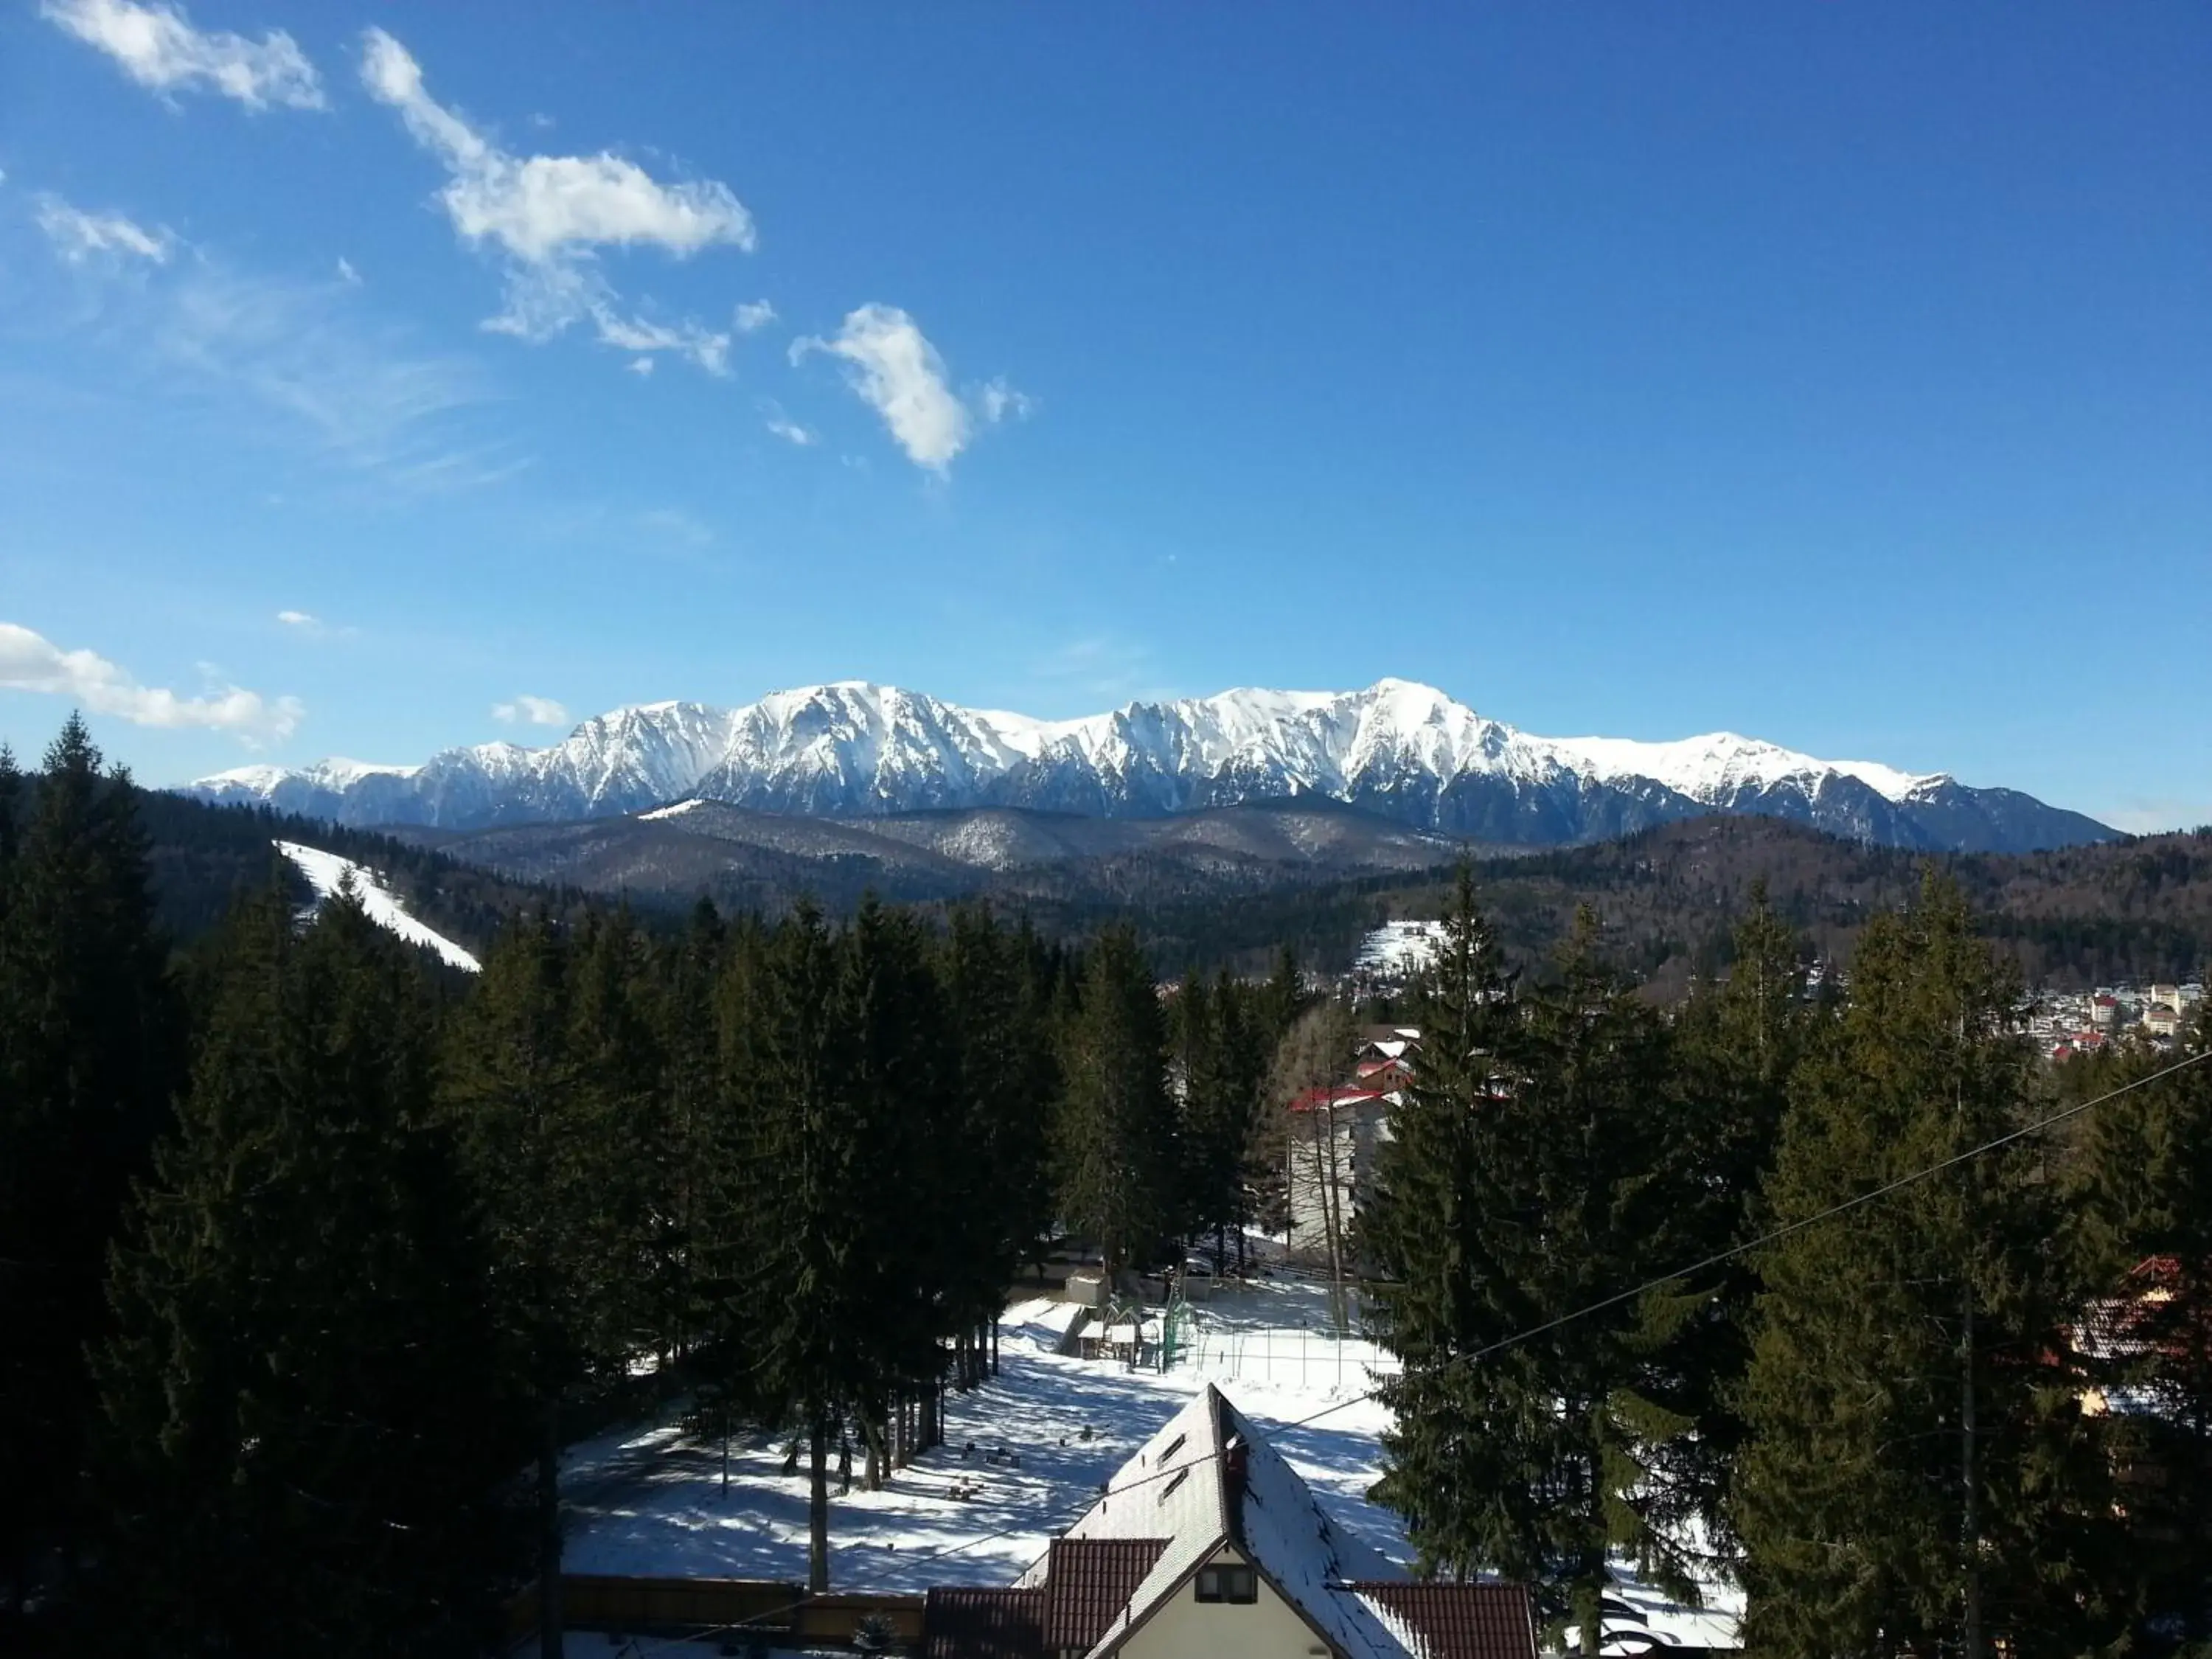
(2137, 910)
(201, 857)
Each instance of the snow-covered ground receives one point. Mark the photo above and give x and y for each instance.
(325, 870)
(1398, 949)
(1024, 1457)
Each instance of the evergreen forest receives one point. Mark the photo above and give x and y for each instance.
(313, 1255)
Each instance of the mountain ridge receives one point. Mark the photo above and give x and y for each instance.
(1397, 749)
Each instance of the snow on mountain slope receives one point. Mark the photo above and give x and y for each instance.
(1399, 748)
(327, 872)
(1712, 768)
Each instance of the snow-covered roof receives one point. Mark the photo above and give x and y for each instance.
(1208, 1481)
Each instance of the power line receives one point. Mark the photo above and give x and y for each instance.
(2050, 1121)
(1772, 1236)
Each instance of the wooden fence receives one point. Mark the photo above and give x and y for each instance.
(782, 1612)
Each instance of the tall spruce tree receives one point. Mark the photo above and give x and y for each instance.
(540, 1151)
(2142, 1189)
(1117, 1129)
(998, 1195)
(812, 1276)
(89, 1056)
(1521, 1186)
(686, 1137)
(1919, 1476)
(1218, 1104)
(614, 1045)
(1435, 1297)
(306, 1430)
(1740, 1041)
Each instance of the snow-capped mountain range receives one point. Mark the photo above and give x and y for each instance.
(1405, 752)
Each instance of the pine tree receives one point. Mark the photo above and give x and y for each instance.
(1219, 1103)
(88, 1058)
(2142, 1187)
(1740, 1041)
(1918, 1473)
(306, 1429)
(539, 1153)
(615, 1051)
(1433, 1300)
(1520, 1189)
(999, 1194)
(812, 1268)
(1116, 1130)
(687, 1143)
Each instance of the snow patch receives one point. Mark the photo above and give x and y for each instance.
(1397, 949)
(327, 872)
(675, 812)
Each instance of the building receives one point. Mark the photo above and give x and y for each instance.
(1334, 1134)
(1206, 1545)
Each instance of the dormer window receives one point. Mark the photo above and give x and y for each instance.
(1227, 1583)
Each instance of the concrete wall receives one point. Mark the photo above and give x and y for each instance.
(1187, 1628)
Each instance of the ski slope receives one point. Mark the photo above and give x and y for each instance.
(327, 872)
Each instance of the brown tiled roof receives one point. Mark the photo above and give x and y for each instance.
(1088, 1584)
(1459, 1621)
(965, 1623)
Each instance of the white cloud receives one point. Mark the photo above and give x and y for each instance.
(550, 217)
(999, 401)
(640, 366)
(300, 619)
(783, 426)
(711, 352)
(78, 236)
(157, 46)
(530, 711)
(30, 662)
(898, 374)
(347, 274)
(752, 316)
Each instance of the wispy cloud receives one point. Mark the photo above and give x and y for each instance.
(897, 373)
(2141, 815)
(526, 710)
(1104, 666)
(673, 524)
(157, 46)
(306, 352)
(309, 626)
(31, 662)
(752, 316)
(79, 236)
(347, 274)
(783, 426)
(549, 217)
(1000, 402)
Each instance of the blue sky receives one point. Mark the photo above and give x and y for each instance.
(379, 378)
